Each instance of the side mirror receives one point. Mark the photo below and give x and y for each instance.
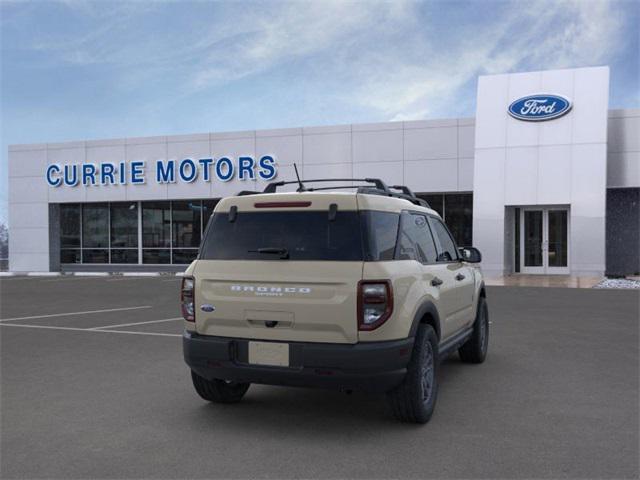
(470, 254)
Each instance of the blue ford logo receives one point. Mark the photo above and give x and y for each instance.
(536, 108)
(207, 308)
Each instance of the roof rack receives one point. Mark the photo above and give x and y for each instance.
(376, 187)
(244, 193)
(379, 184)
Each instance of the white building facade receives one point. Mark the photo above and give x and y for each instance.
(545, 179)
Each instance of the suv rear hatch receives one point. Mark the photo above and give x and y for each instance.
(281, 267)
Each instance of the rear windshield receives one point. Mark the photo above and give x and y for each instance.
(351, 236)
(292, 235)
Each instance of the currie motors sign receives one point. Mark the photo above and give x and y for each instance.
(187, 170)
(540, 107)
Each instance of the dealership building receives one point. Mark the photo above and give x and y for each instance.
(544, 180)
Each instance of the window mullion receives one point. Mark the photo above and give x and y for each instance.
(109, 232)
(81, 233)
(444, 208)
(139, 233)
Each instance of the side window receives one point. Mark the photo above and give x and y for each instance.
(415, 241)
(447, 251)
(380, 231)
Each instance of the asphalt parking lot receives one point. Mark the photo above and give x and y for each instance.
(93, 385)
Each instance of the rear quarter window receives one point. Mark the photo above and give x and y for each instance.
(380, 232)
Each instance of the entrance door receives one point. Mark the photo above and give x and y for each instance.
(544, 244)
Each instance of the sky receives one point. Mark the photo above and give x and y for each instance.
(76, 70)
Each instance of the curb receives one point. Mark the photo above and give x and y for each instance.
(91, 274)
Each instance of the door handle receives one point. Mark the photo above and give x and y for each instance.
(460, 277)
(436, 282)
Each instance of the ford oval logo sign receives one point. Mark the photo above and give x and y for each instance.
(536, 108)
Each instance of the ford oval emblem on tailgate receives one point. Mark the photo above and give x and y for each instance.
(207, 308)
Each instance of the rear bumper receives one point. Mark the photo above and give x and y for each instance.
(371, 366)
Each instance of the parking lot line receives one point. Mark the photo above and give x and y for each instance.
(136, 323)
(75, 313)
(67, 278)
(18, 279)
(125, 279)
(75, 329)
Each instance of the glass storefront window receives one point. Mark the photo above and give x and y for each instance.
(108, 232)
(156, 256)
(456, 209)
(156, 224)
(90, 255)
(435, 201)
(533, 236)
(68, 255)
(458, 215)
(127, 255)
(95, 225)
(70, 233)
(184, 255)
(69, 226)
(207, 209)
(558, 233)
(124, 225)
(186, 224)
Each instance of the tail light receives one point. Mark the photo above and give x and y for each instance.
(375, 303)
(186, 299)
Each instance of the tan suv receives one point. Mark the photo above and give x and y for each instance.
(331, 287)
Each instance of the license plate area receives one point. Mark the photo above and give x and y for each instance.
(269, 353)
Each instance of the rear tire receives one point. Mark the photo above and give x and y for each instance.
(475, 349)
(414, 400)
(219, 391)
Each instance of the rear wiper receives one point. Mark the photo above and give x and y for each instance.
(283, 252)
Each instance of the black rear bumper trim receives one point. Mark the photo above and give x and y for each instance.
(367, 366)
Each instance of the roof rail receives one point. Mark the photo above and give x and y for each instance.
(409, 193)
(405, 190)
(376, 187)
(379, 184)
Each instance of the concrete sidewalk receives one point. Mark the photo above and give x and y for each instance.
(557, 281)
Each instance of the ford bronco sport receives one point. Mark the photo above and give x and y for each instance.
(361, 289)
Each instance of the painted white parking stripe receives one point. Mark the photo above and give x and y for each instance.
(23, 278)
(74, 329)
(75, 313)
(69, 278)
(137, 323)
(126, 279)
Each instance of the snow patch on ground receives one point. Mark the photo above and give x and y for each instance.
(618, 283)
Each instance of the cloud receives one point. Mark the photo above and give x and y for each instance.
(94, 33)
(527, 36)
(294, 31)
(219, 41)
(393, 58)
